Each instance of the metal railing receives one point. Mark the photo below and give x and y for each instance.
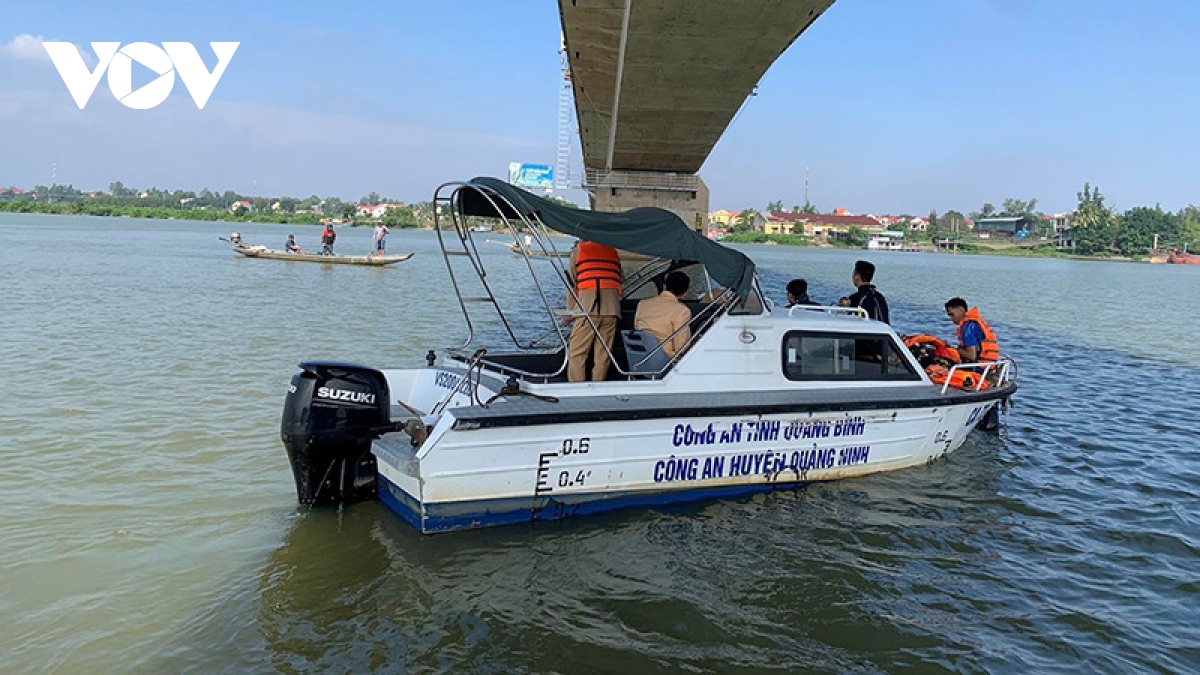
(641, 180)
(835, 310)
(542, 240)
(1000, 368)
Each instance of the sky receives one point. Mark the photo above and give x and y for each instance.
(890, 106)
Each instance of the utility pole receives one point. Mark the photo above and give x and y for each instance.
(806, 202)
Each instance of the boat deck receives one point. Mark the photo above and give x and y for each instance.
(524, 410)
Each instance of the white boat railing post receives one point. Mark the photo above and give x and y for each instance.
(1002, 366)
(858, 312)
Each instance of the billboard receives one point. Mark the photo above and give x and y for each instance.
(531, 175)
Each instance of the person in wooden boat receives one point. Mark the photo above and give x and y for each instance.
(664, 314)
(867, 296)
(596, 269)
(235, 238)
(381, 233)
(797, 293)
(328, 236)
(291, 246)
(976, 341)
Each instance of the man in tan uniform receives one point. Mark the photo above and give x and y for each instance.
(596, 269)
(664, 314)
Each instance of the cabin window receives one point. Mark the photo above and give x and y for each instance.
(843, 356)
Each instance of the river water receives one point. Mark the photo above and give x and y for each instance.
(149, 520)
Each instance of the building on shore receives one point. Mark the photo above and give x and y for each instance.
(888, 240)
(375, 210)
(1009, 227)
(1061, 224)
(723, 218)
(818, 225)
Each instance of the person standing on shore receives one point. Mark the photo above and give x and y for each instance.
(867, 297)
(381, 233)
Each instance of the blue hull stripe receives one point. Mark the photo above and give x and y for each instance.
(430, 518)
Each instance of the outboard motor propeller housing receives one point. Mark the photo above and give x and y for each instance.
(332, 413)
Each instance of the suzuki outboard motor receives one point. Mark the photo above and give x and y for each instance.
(332, 413)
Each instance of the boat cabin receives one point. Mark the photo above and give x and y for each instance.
(735, 330)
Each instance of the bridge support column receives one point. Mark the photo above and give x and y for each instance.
(683, 193)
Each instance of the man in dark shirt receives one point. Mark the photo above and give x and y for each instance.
(797, 293)
(866, 296)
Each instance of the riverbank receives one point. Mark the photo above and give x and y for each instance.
(1005, 250)
(80, 208)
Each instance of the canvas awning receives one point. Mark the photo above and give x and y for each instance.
(647, 230)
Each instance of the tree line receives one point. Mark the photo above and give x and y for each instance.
(1095, 228)
(122, 200)
(1098, 230)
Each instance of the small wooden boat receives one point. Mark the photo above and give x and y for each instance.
(1183, 258)
(538, 253)
(271, 254)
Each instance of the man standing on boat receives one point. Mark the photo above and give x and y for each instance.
(381, 233)
(596, 269)
(663, 315)
(866, 296)
(797, 293)
(976, 341)
(328, 236)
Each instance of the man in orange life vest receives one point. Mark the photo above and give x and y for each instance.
(596, 269)
(976, 341)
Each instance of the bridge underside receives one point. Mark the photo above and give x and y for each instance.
(669, 74)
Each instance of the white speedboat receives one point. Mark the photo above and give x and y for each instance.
(762, 398)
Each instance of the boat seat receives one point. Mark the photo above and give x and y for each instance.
(640, 347)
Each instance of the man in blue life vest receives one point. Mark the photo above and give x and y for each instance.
(976, 341)
(596, 269)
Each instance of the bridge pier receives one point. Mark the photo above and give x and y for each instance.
(685, 194)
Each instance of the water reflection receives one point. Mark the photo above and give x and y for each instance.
(643, 589)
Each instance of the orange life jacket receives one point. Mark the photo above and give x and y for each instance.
(941, 350)
(597, 266)
(989, 348)
(961, 379)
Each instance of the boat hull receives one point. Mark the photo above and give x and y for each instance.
(370, 261)
(480, 477)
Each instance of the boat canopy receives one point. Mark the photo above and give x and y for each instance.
(647, 230)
